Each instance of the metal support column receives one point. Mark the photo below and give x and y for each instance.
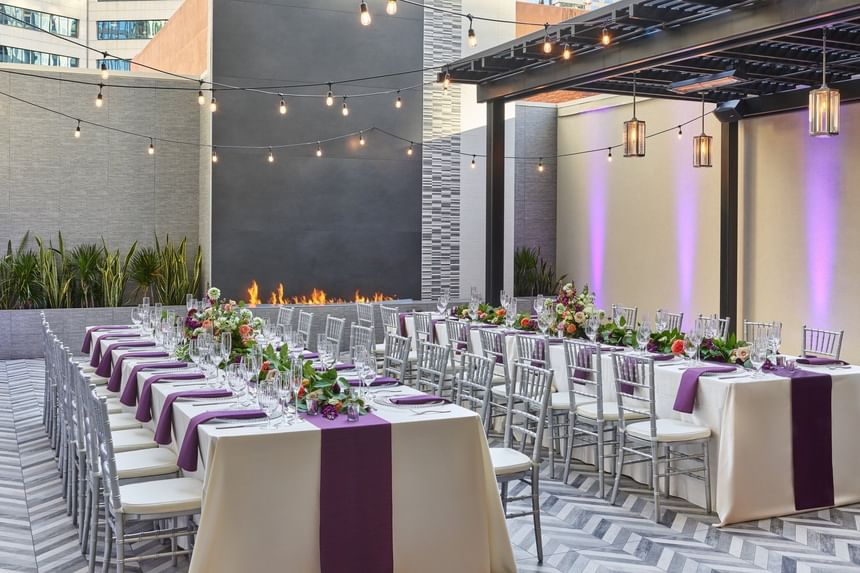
(729, 224)
(495, 245)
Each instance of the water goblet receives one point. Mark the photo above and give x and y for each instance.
(235, 380)
(539, 304)
(544, 320)
(592, 328)
(661, 320)
(296, 382)
(758, 355)
(189, 302)
(643, 336)
(267, 396)
(689, 348)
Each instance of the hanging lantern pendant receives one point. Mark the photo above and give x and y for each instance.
(824, 102)
(702, 144)
(634, 132)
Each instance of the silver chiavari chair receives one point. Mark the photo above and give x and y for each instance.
(303, 328)
(459, 340)
(423, 327)
(359, 336)
(674, 320)
(654, 440)
(334, 331)
(818, 342)
(472, 385)
(285, 316)
(431, 368)
(391, 320)
(725, 323)
(529, 399)
(755, 330)
(628, 312)
(494, 346)
(364, 311)
(395, 361)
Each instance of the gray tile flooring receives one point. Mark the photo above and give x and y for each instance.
(581, 532)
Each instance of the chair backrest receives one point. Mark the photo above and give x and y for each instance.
(724, 324)
(584, 373)
(754, 330)
(532, 350)
(459, 340)
(493, 346)
(634, 389)
(674, 320)
(334, 331)
(431, 367)
(423, 326)
(360, 336)
(89, 403)
(628, 312)
(106, 453)
(473, 383)
(364, 311)
(528, 400)
(390, 320)
(304, 326)
(820, 342)
(285, 316)
(396, 358)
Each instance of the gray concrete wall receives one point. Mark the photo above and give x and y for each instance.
(103, 184)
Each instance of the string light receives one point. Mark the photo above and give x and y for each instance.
(329, 98)
(361, 138)
(473, 38)
(680, 132)
(344, 109)
(213, 103)
(398, 103)
(473, 162)
(410, 150)
(151, 149)
(365, 14)
(566, 53)
(201, 99)
(446, 81)
(283, 106)
(319, 149)
(547, 45)
(104, 68)
(99, 98)
(609, 157)
(271, 156)
(540, 165)
(78, 130)
(214, 154)
(605, 38)
(391, 7)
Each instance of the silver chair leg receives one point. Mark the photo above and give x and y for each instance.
(667, 481)
(568, 455)
(94, 524)
(552, 437)
(108, 544)
(707, 461)
(598, 459)
(619, 466)
(504, 495)
(120, 544)
(536, 511)
(655, 478)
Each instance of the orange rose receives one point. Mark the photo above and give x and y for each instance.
(265, 366)
(301, 391)
(525, 322)
(245, 330)
(678, 347)
(500, 312)
(570, 328)
(207, 324)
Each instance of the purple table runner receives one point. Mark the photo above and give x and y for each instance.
(88, 337)
(191, 442)
(165, 421)
(356, 524)
(116, 369)
(685, 399)
(129, 393)
(98, 355)
(144, 404)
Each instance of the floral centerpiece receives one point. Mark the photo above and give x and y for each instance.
(488, 314)
(221, 315)
(666, 342)
(572, 308)
(730, 350)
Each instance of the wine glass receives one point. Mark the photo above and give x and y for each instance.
(543, 321)
(136, 317)
(618, 316)
(539, 304)
(510, 307)
(226, 347)
(661, 320)
(442, 302)
(369, 372)
(252, 382)
(697, 334)
(145, 302)
(774, 336)
(285, 395)
(689, 348)
(267, 395)
(235, 375)
(296, 381)
(157, 307)
(592, 328)
(194, 351)
(758, 355)
(712, 327)
(189, 302)
(643, 336)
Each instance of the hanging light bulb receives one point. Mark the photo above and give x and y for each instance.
(473, 162)
(605, 38)
(319, 149)
(446, 81)
(680, 132)
(271, 156)
(99, 99)
(410, 150)
(200, 98)
(634, 132)
(104, 68)
(609, 157)
(824, 102)
(283, 106)
(344, 109)
(398, 103)
(547, 45)
(361, 138)
(566, 53)
(540, 165)
(213, 103)
(702, 144)
(214, 154)
(151, 149)
(78, 130)
(365, 14)
(391, 7)
(472, 37)
(329, 98)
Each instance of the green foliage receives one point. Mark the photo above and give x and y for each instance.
(617, 335)
(85, 261)
(145, 270)
(19, 277)
(114, 274)
(54, 276)
(533, 275)
(174, 280)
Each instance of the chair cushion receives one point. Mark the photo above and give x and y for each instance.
(145, 463)
(559, 400)
(669, 431)
(122, 421)
(507, 461)
(134, 439)
(161, 496)
(498, 379)
(499, 390)
(610, 412)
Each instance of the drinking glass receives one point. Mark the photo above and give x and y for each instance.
(136, 317)
(189, 302)
(194, 351)
(617, 316)
(690, 348)
(544, 319)
(539, 304)
(369, 372)
(252, 383)
(157, 307)
(510, 306)
(592, 328)
(643, 336)
(442, 302)
(235, 374)
(697, 334)
(758, 355)
(285, 395)
(474, 303)
(296, 381)
(145, 302)
(267, 395)
(712, 327)
(774, 335)
(661, 320)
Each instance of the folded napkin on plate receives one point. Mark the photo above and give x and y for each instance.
(98, 356)
(819, 361)
(190, 444)
(418, 400)
(380, 381)
(661, 357)
(308, 355)
(116, 369)
(144, 404)
(129, 393)
(88, 337)
(685, 399)
(165, 421)
(338, 367)
(611, 348)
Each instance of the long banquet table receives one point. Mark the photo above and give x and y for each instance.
(751, 423)
(262, 499)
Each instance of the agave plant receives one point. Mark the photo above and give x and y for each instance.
(175, 280)
(533, 275)
(85, 260)
(145, 270)
(54, 277)
(114, 274)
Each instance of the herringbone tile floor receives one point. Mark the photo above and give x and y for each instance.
(582, 533)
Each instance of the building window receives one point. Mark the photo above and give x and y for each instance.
(128, 29)
(60, 25)
(11, 55)
(119, 65)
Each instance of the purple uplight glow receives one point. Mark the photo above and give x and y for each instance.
(686, 223)
(597, 172)
(822, 213)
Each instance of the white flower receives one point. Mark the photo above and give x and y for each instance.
(245, 313)
(559, 308)
(579, 317)
(214, 293)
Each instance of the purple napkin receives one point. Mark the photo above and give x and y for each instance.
(337, 367)
(379, 381)
(661, 357)
(685, 399)
(144, 405)
(98, 355)
(116, 369)
(418, 400)
(308, 355)
(165, 421)
(819, 361)
(191, 442)
(129, 393)
(88, 337)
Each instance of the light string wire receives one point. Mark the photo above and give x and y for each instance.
(597, 23)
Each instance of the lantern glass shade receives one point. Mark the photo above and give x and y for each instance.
(702, 145)
(824, 112)
(634, 138)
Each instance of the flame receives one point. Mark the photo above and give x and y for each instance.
(317, 296)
